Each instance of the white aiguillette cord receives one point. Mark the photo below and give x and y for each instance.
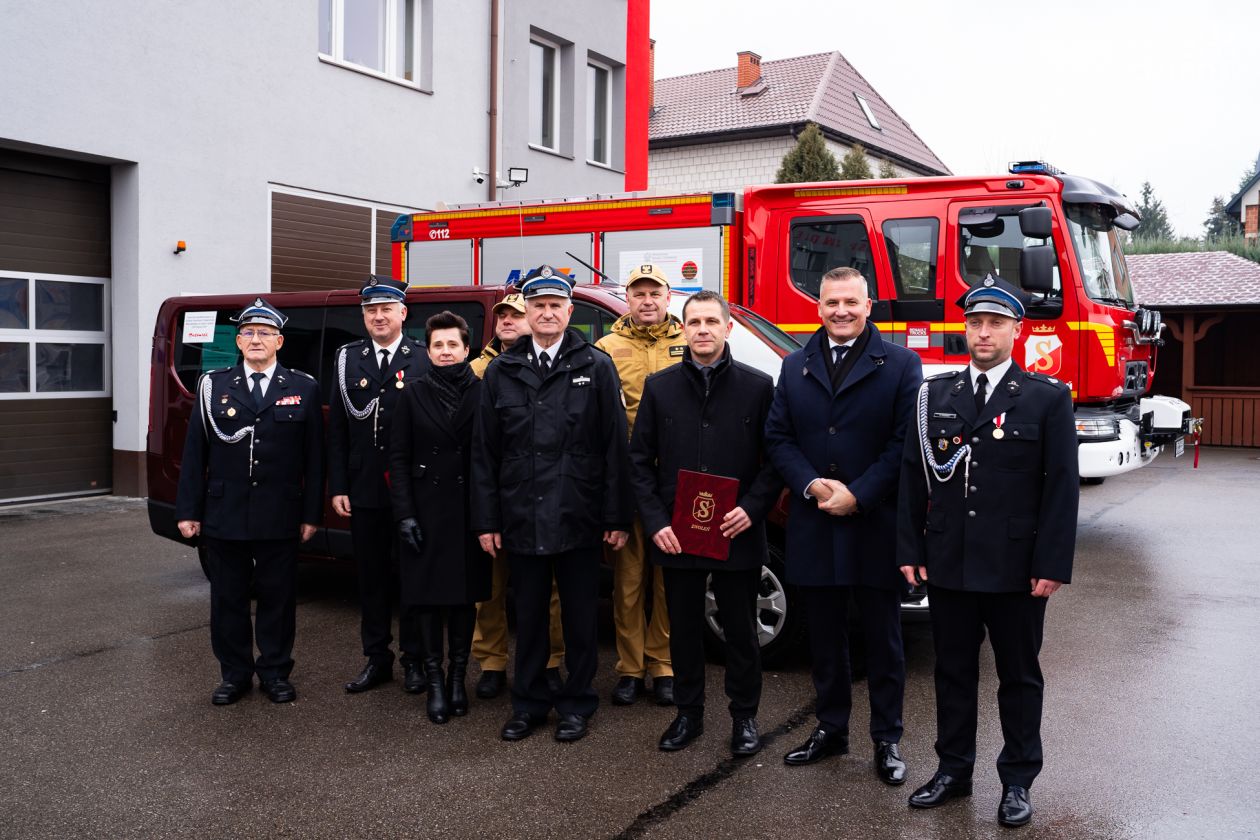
(357, 414)
(941, 472)
(206, 387)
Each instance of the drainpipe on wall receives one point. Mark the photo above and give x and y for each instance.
(492, 179)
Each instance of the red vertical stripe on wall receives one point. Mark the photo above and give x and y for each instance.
(638, 73)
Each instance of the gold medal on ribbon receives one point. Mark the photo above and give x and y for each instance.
(398, 384)
(231, 412)
(998, 433)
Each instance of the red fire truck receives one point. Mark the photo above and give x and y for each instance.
(921, 243)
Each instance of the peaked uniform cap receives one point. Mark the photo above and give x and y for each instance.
(996, 296)
(545, 280)
(260, 312)
(382, 289)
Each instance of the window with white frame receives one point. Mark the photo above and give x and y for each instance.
(54, 336)
(544, 96)
(599, 114)
(383, 36)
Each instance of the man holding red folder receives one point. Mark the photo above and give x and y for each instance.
(698, 459)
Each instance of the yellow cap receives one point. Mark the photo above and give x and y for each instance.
(513, 301)
(647, 271)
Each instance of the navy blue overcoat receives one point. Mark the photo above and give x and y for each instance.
(856, 435)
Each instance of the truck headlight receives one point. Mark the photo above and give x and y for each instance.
(1097, 428)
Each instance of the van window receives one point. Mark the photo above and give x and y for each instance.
(591, 321)
(911, 245)
(819, 244)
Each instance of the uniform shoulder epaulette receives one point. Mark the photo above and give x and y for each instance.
(1048, 380)
(356, 343)
(302, 373)
(947, 374)
(601, 349)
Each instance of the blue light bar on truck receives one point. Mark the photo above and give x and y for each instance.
(722, 208)
(1033, 167)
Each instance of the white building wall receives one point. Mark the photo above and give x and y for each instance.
(202, 107)
(731, 165)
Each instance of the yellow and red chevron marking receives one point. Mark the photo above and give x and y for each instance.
(1106, 337)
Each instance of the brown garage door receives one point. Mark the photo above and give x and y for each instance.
(55, 409)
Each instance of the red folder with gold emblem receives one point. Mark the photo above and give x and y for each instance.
(701, 501)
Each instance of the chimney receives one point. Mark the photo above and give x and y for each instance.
(651, 74)
(748, 72)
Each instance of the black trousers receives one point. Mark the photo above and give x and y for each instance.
(736, 596)
(577, 578)
(1015, 621)
(879, 611)
(272, 566)
(375, 539)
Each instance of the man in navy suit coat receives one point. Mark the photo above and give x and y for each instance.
(835, 433)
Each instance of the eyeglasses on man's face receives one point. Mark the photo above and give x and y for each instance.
(265, 335)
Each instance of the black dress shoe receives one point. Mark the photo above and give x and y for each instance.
(491, 684)
(941, 788)
(663, 688)
(570, 727)
(413, 678)
(627, 690)
(685, 729)
(745, 739)
(555, 682)
(229, 692)
(521, 725)
(888, 764)
(1016, 807)
(821, 744)
(372, 675)
(279, 690)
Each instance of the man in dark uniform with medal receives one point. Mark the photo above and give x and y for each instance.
(251, 485)
(987, 518)
(370, 375)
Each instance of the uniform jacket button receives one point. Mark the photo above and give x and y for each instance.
(971, 489)
(971, 513)
(253, 483)
(975, 440)
(831, 430)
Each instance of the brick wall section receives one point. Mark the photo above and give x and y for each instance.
(734, 165)
(748, 71)
(1251, 221)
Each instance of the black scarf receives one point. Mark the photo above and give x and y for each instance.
(450, 382)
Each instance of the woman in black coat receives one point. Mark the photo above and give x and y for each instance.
(444, 572)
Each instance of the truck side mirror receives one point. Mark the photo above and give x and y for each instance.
(1036, 268)
(1034, 222)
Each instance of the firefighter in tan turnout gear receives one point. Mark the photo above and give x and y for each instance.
(644, 340)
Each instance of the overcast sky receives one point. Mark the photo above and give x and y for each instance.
(1123, 92)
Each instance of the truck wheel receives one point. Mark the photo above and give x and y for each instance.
(780, 623)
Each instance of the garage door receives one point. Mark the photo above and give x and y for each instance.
(55, 406)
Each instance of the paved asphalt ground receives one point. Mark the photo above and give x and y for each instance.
(107, 729)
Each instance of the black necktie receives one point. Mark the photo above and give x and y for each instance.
(544, 362)
(384, 360)
(982, 385)
(258, 378)
(837, 362)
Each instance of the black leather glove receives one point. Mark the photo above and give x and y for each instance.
(409, 533)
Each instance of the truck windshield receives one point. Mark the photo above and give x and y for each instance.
(1103, 272)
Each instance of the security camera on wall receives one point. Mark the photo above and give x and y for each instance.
(479, 176)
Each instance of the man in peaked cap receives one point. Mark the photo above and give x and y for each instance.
(550, 485)
(251, 486)
(987, 518)
(490, 638)
(370, 376)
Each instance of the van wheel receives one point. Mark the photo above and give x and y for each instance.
(1093, 481)
(780, 622)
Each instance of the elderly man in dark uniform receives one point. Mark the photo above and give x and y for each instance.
(549, 486)
(370, 376)
(251, 485)
(835, 433)
(708, 415)
(987, 517)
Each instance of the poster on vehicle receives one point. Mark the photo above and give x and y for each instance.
(199, 327)
(683, 267)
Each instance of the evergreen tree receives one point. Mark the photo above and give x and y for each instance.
(886, 169)
(1155, 223)
(1219, 223)
(854, 166)
(808, 160)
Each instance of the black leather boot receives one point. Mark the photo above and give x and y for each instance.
(437, 705)
(460, 632)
